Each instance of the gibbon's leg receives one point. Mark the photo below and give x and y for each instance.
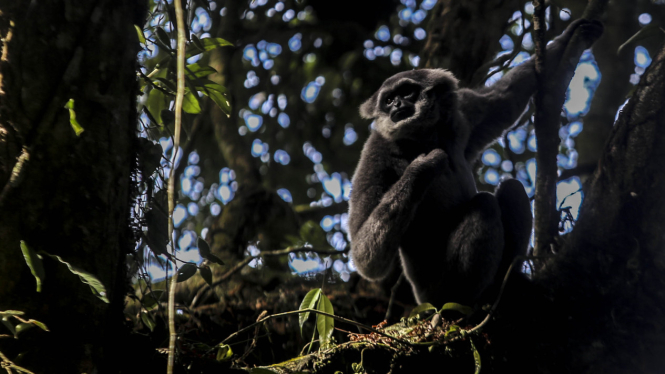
(517, 222)
(475, 248)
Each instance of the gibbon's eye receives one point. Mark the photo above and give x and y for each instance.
(389, 100)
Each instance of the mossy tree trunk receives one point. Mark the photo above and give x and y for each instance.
(72, 197)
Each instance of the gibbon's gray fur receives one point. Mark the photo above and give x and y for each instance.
(414, 192)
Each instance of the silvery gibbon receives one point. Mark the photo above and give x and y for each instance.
(414, 194)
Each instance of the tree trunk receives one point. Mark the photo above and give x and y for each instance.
(53, 52)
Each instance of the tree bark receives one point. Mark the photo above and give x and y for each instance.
(56, 51)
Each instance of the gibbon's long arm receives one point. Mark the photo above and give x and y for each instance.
(491, 110)
(378, 218)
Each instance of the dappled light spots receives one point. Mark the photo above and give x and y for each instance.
(491, 157)
(644, 19)
(285, 195)
(179, 215)
(282, 157)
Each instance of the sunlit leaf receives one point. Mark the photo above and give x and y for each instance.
(186, 271)
(191, 104)
(421, 308)
(34, 262)
(206, 273)
(324, 324)
(458, 307)
(9, 313)
(72, 118)
(208, 45)
(216, 93)
(139, 33)
(308, 302)
(166, 84)
(148, 321)
(451, 330)
(196, 71)
(95, 284)
(224, 352)
(22, 327)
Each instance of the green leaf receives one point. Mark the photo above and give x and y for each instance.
(214, 259)
(191, 104)
(9, 325)
(645, 32)
(148, 321)
(224, 352)
(216, 92)
(163, 38)
(95, 284)
(208, 45)
(312, 233)
(150, 300)
(457, 307)
(324, 324)
(308, 302)
(9, 313)
(476, 357)
(165, 84)
(139, 33)
(421, 308)
(41, 325)
(206, 273)
(72, 118)
(186, 271)
(204, 248)
(34, 262)
(22, 327)
(196, 71)
(155, 104)
(451, 330)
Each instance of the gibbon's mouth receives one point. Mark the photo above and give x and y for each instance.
(401, 114)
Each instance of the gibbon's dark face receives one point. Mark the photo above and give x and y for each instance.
(400, 104)
(408, 104)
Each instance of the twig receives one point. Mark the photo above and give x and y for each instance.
(205, 288)
(9, 365)
(308, 310)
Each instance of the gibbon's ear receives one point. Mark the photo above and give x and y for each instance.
(367, 108)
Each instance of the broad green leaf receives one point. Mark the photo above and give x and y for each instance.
(452, 329)
(216, 92)
(645, 32)
(22, 327)
(34, 262)
(72, 118)
(186, 271)
(308, 302)
(458, 307)
(197, 42)
(421, 308)
(155, 104)
(476, 356)
(150, 300)
(196, 71)
(148, 321)
(139, 33)
(166, 84)
(191, 104)
(206, 273)
(95, 284)
(208, 45)
(224, 352)
(204, 248)
(324, 324)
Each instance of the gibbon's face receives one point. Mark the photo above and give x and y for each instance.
(406, 105)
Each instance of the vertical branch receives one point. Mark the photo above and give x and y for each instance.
(547, 140)
(180, 93)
